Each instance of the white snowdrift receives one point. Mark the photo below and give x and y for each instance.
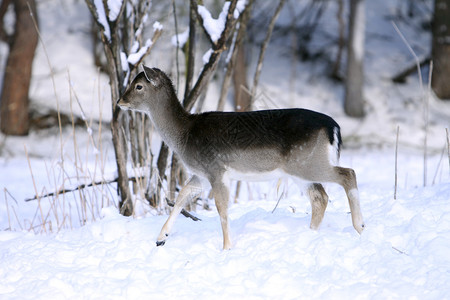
(403, 253)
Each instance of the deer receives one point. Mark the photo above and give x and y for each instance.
(217, 146)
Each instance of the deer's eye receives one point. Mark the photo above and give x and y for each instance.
(139, 87)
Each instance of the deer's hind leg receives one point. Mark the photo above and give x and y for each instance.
(319, 201)
(346, 177)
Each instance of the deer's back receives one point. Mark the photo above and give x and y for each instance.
(281, 128)
(258, 139)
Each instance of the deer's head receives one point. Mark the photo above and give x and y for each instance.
(144, 90)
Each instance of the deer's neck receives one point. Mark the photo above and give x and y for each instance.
(172, 121)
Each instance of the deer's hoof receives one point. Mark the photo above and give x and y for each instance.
(160, 243)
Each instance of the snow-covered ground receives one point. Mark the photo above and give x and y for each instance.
(404, 252)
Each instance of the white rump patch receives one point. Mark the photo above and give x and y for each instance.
(333, 149)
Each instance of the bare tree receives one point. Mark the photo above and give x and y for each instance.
(354, 96)
(441, 49)
(14, 98)
(122, 37)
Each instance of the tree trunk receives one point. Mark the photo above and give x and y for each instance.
(335, 73)
(441, 49)
(14, 97)
(119, 142)
(354, 98)
(242, 96)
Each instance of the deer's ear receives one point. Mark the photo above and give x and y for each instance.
(146, 70)
(150, 76)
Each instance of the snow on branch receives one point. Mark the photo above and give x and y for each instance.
(104, 12)
(211, 58)
(157, 26)
(101, 18)
(137, 56)
(114, 7)
(215, 27)
(181, 39)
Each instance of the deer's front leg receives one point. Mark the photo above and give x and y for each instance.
(192, 189)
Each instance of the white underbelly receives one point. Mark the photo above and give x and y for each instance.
(254, 176)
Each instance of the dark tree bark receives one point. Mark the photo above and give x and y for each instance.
(441, 49)
(242, 96)
(14, 98)
(354, 97)
(335, 73)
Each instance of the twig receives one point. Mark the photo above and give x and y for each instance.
(35, 188)
(178, 43)
(264, 47)
(426, 117)
(448, 149)
(396, 163)
(399, 251)
(79, 187)
(12, 207)
(426, 100)
(7, 208)
(155, 37)
(191, 48)
(412, 52)
(281, 195)
(183, 211)
(401, 77)
(52, 77)
(438, 166)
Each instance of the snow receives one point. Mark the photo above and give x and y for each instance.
(102, 18)
(157, 26)
(135, 57)
(124, 61)
(240, 6)
(89, 251)
(114, 9)
(403, 252)
(181, 39)
(206, 56)
(215, 27)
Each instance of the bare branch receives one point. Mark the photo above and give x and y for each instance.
(200, 20)
(155, 37)
(209, 68)
(78, 187)
(264, 47)
(245, 16)
(183, 211)
(92, 184)
(191, 50)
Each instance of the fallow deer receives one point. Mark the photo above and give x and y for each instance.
(217, 146)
